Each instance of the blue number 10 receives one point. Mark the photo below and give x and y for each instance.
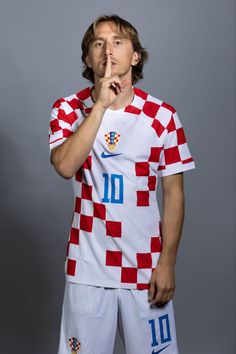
(113, 189)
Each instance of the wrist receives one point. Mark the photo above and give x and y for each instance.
(98, 107)
(167, 259)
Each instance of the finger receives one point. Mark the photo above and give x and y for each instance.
(108, 67)
(151, 291)
(113, 81)
(160, 298)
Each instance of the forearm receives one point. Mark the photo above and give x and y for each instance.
(172, 223)
(68, 157)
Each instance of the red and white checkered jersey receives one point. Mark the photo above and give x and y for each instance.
(115, 236)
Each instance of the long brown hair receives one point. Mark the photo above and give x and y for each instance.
(126, 28)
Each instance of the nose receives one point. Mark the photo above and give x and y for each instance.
(108, 49)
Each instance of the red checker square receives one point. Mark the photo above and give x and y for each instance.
(78, 205)
(172, 155)
(86, 223)
(66, 133)
(74, 236)
(132, 109)
(142, 286)
(150, 109)
(171, 126)
(169, 107)
(58, 103)
(62, 115)
(144, 260)
(99, 211)
(72, 117)
(155, 154)
(71, 265)
(88, 163)
(158, 127)
(140, 93)
(75, 104)
(86, 192)
(88, 110)
(156, 244)
(54, 125)
(142, 168)
(181, 136)
(78, 175)
(114, 258)
(142, 198)
(113, 228)
(152, 183)
(84, 94)
(129, 275)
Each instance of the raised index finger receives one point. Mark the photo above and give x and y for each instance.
(108, 67)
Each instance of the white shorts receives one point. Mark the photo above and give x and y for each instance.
(90, 316)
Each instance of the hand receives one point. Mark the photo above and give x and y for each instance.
(162, 285)
(110, 86)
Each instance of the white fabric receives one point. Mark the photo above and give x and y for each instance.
(92, 314)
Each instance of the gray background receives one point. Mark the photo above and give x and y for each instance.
(192, 66)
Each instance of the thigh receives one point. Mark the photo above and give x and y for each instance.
(146, 329)
(89, 318)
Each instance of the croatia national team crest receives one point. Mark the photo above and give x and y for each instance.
(112, 139)
(74, 345)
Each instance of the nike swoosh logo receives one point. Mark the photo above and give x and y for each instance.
(153, 352)
(104, 155)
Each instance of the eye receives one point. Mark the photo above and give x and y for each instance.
(118, 42)
(98, 44)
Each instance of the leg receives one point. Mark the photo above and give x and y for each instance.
(89, 320)
(146, 330)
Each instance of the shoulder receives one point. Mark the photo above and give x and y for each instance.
(73, 101)
(154, 107)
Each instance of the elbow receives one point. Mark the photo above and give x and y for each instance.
(64, 171)
(62, 168)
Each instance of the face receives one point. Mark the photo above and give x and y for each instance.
(120, 49)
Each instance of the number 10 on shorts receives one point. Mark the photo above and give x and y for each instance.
(164, 329)
(113, 190)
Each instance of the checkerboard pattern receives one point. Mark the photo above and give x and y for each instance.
(118, 245)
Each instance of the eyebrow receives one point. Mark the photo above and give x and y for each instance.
(114, 37)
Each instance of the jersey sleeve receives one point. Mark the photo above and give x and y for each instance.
(61, 123)
(175, 156)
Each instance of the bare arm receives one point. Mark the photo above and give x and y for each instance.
(162, 282)
(70, 155)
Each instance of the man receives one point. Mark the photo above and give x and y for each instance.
(114, 141)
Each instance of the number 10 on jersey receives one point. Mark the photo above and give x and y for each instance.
(113, 190)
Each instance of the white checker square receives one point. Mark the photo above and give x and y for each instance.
(143, 275)
(67, 108)
(76, 220)
(155, 257)
(171, 140)
(184, 152)
(86, 207)
(164, 116)
(74, 251)
(177, 121)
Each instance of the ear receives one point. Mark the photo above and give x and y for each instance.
(136, 58)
